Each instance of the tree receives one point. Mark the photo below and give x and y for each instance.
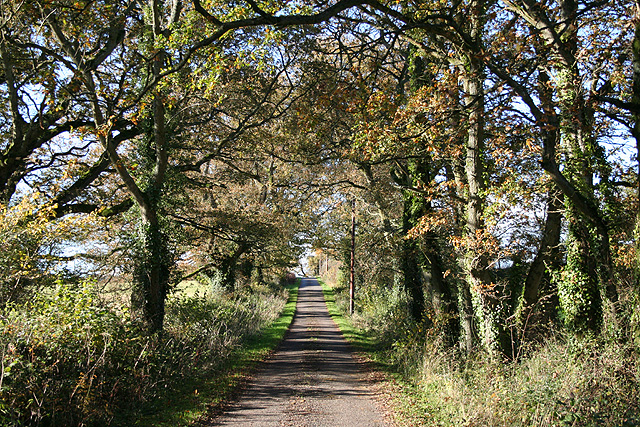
(574, 131)
(153, 44)
(44, 97)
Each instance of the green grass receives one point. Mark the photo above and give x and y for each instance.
(359, 339)
(201, 397)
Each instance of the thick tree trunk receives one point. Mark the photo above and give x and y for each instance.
(227, 271)
(635, 47)
(468, 318)
(548, 252)
(227, 268)
(476, 261)
(10, 161)
(548, 256)
(151, 272)
(413, 279)
(421, 260)
(352, 263)
(579, 290)
(589, 267)
(152, 261)
(413, 210)
(442, 296)
(456, 172)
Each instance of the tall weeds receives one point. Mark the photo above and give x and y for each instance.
(70, 359)
(559, 381)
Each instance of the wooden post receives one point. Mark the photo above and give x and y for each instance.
(352, 276)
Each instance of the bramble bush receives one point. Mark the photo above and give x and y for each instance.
(71, 359)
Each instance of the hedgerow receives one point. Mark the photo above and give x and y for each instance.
(69, 358)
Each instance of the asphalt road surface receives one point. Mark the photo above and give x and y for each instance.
(311, 381)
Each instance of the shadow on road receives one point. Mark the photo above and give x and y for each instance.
(312, 380)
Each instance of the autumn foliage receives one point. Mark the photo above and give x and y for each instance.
(489, 152)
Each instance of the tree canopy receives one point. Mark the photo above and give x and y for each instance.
(490, 148)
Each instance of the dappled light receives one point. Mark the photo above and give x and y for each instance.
(463, 177)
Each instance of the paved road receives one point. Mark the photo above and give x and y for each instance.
(312, 380)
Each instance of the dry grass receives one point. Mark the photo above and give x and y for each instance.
(562, 381)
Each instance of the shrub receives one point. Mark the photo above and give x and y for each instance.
(63, 350)
(70, 359)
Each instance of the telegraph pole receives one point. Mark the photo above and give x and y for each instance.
(352, 275)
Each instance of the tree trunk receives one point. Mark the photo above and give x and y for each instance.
(352, 261)
(540, 294)
(412, 273)
(153, 263)
(456, 172)
(442, 296)
(421, 261)
(579, 290)
(635, 100)
(227, 268)
(227, 271)
(635, 47)
(548, 256)
(547, 253)
(150, 274)
(11, 160)
(475, 262)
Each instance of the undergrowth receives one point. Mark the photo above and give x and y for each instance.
(71, 359)
(563, 381)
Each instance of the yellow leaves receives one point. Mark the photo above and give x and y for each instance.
(27, 209)
(22, 228)
(625, 255)
(29, 232)
(429, 223)
(533, 146)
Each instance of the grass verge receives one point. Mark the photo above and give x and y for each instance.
(360, 340)
(562, 382)
(202, 398)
